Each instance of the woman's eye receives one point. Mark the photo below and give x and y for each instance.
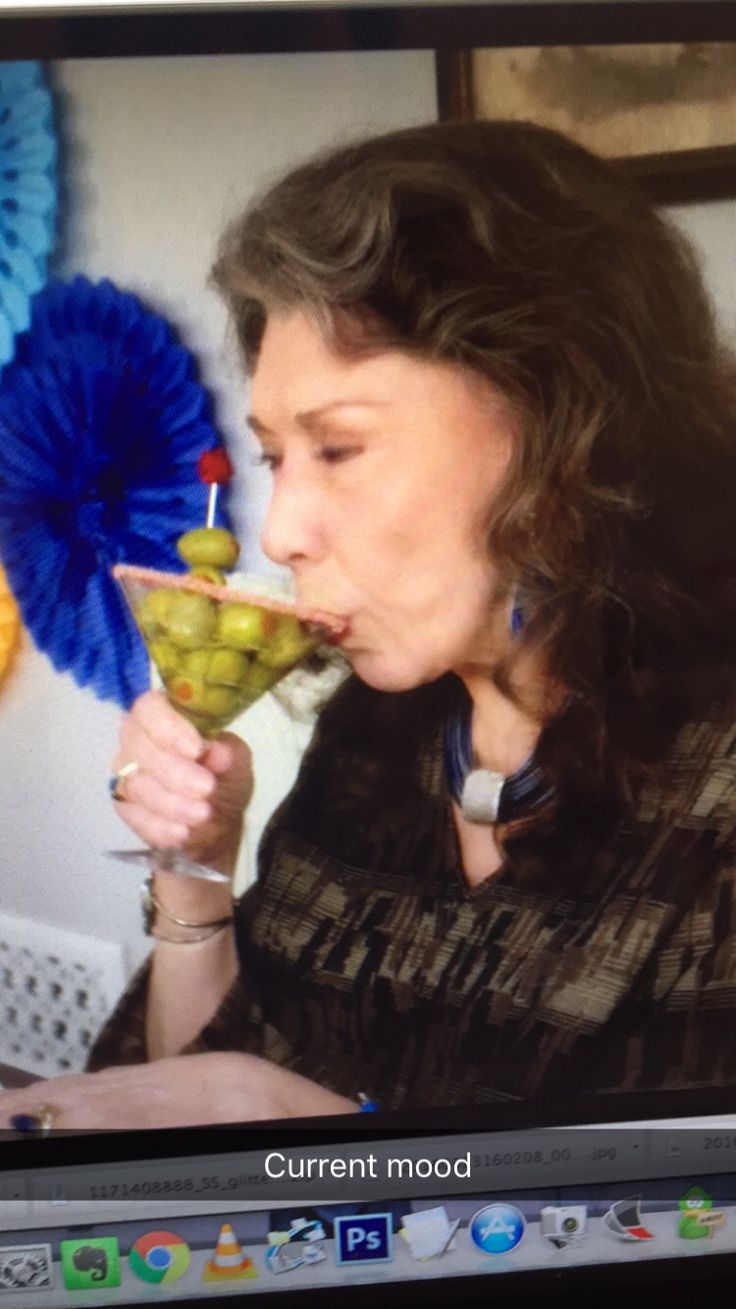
(338, 454)
(328, 454)
(268, 460)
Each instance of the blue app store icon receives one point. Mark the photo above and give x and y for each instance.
(363, 1239)
(497, 1228)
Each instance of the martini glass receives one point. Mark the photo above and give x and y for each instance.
(217, 650)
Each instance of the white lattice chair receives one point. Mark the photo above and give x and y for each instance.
(56, 988)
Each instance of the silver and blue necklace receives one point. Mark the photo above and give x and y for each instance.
(485, 796)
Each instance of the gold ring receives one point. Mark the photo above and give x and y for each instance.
(47, 1115)
(39, 1123)
(114, 781)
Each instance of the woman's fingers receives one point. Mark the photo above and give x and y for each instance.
(166, 800)
(183, 788)
(220, 755)
(176, 773)
(163, 813)
(170, 731)
(158, 833)
(179, 1091)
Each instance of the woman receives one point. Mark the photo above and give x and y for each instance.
(501, 429)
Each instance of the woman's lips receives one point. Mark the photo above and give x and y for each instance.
(337, 623)
(341, 634)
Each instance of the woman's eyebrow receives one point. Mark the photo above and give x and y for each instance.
(312, 417)
(257, 426)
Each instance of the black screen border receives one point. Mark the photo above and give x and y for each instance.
(181, 31)
(676, 1280)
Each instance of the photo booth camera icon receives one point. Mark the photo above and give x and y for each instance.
(564, 1224)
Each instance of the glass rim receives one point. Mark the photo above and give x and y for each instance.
(185, 582)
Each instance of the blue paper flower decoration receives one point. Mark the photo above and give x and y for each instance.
(27, 195)
(101, 425)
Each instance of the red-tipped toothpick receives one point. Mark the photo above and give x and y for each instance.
(215, 470)
(212, 505)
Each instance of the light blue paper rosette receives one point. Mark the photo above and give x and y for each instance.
(27, 194)
(102, 421)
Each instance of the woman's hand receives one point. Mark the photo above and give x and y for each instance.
(188, 793)
(185, 1091)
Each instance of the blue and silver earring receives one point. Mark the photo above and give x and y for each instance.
(516, 622)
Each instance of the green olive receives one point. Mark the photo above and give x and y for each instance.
(198, 700)
(211, 706)
(243, 626)
(152, 612)
(165, 657)
(211, 575)
(190, 620)
(288, 644)
(259, 680)
(228, 668)
(186, 692)
(221, 701)
(196, 664)
(208, 547)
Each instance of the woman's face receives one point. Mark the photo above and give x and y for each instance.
(383, 472)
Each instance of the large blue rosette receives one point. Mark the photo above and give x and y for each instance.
(101, 424)
(27, 195)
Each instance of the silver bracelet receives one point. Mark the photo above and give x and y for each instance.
(151, 906)
(192, 940)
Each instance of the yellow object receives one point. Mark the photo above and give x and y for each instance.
(229, 1263)
(9, 625)
(208, 547)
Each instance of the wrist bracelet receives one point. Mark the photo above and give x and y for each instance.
(182, 922)
(151, 906)
(191, 940)
(367, 1106)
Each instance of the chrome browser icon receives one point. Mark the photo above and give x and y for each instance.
(159, 1257)
(497, 1228)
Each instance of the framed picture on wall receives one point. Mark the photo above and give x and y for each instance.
(667, 112)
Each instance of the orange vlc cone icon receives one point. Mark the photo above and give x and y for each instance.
(229, 1263)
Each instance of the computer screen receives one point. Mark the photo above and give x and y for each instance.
(366, 631)
(563, 1211)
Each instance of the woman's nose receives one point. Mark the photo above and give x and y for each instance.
(291, 532)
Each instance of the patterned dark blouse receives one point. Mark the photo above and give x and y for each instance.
(586, 963)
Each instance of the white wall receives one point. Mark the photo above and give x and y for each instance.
(712, 229)
(159, 153)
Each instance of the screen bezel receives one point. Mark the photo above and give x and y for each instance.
(272, 30)
(285, 29)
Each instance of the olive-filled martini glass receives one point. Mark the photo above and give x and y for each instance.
(217, 648)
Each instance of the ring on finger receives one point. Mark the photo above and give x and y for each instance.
(39, 1123)
(114, 782)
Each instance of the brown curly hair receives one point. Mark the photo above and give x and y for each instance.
(508, 248)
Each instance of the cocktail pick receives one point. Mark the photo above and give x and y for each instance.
(215, 470)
